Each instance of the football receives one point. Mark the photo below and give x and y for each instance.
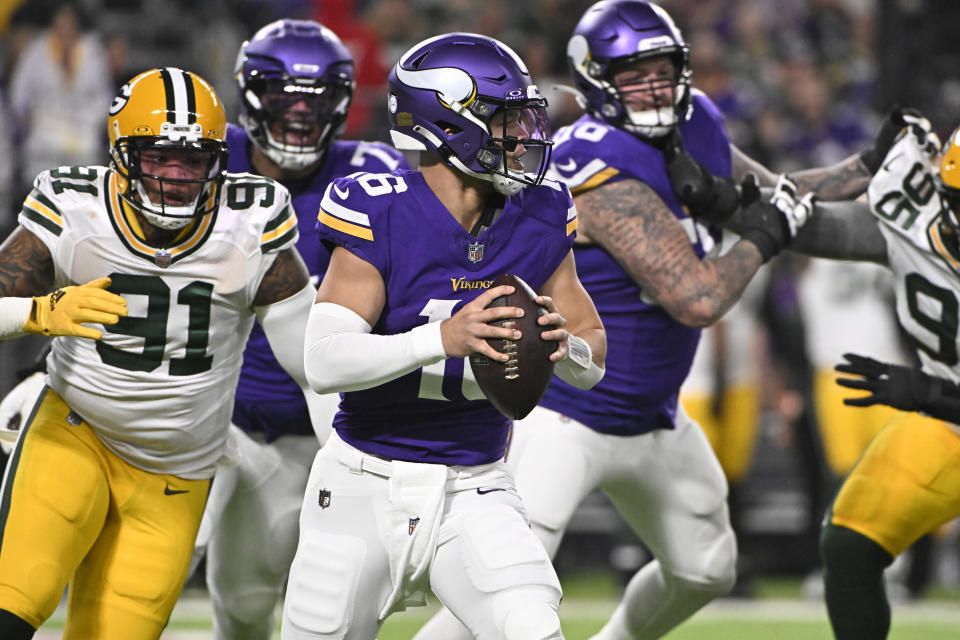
(516, 386)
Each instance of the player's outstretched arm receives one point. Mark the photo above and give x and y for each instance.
(630, 220)
(582, 341)
(845, 180)
(849, 178)
(842, 231)
(26, 269)
(901, 387)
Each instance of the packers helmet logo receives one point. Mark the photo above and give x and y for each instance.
(120, 100)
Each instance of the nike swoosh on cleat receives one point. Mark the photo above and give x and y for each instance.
(486, 491)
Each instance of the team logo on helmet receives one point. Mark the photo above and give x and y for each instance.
(120, 100)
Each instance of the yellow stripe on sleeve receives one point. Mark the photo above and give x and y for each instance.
(279, 231)
(595, 180)
(346, 227)
(44, 210)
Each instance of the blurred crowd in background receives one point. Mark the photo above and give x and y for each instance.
(801, 82)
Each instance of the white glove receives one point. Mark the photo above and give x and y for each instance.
(16, 407)
(795, 212)
(921, 128)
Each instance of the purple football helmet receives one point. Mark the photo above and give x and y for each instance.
(296, 82)
(470, 99)
(613, 33)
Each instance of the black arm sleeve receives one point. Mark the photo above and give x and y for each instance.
(941, 399)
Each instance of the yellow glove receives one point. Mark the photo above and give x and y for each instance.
(62, 312)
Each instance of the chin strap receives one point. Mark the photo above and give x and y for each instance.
(490, 209)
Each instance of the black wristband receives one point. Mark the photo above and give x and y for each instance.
(766, 227)
(765, 243)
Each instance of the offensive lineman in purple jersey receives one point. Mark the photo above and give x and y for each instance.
(648, 267)
(411, 491)
(296, 83)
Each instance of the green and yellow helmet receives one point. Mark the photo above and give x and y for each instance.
(167, 109)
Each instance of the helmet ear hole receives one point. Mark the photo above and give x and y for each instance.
(449, 127)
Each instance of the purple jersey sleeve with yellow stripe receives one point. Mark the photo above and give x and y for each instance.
(267, 399)
(648, 352)
(431, 266)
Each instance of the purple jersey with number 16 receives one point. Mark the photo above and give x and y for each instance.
(267, 399)
(648, 352)
(431, 266)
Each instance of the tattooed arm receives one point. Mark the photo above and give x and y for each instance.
(285, 277)
(26, 266)
(632, 222)
(844, 180)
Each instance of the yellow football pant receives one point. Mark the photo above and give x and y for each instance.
(733, 433)
(73, 512)
(906, 484)
(845, 431)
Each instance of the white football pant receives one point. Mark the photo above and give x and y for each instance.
(667, 485)
(488, 567)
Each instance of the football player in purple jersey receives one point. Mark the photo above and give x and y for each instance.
(411, 492)
(656, 279)
(296, 81)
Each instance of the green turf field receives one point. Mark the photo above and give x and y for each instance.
(777, 613)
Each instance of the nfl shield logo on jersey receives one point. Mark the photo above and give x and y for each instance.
(162, 258)
(475, 252)
(413, 522)
(324, 498)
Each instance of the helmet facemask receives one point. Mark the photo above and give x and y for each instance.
(667, 92)
(517, 152)
(292, 120)
(948, 186)
(950, 216)
(171, 183)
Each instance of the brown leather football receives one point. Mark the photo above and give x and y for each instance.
(516, 386)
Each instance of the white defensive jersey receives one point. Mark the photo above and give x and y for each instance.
(904, 199)
(847, 308)
(158, 388)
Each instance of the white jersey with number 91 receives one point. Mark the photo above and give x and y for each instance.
(158, 388)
